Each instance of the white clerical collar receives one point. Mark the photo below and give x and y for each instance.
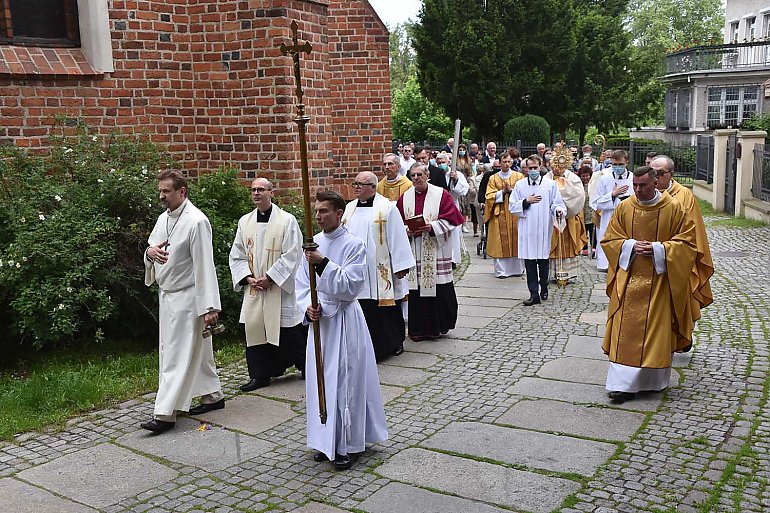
(393, 180)
(505, 175)
(179, 209)
(337, 232)
(621, 176)
(650, 202)
(670, 185)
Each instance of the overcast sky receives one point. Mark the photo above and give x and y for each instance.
(396, 11)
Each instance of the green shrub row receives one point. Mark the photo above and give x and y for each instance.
(76, 221)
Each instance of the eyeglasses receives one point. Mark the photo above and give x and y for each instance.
(358, 185)
(259, 189)
(661, 173)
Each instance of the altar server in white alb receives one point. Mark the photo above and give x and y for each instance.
(356, 415)
(611, 190)
(537, 202)
(264, 259)
(377, 222)
(181, 260)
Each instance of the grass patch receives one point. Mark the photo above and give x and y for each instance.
(737, 222)
(57, 386)
(706, 209)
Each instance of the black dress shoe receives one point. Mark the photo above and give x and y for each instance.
(205, 408)
(544, 295)
(345, 461)
(533, 300)
(157, 426)
(319, 456)
(620, 397)
(255, 384)
(399, 350)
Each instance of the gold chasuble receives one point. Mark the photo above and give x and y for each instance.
(393, 190)
(704, 267)
(503, 229)
(649, 314)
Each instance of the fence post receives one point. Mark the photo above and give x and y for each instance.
(518, 145)
(747, 140)
(720, 167)
(631, 161)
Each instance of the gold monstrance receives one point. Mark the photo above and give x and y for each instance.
(560, 162)
(302, 120)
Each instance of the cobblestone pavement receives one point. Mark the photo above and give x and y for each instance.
(507, 413)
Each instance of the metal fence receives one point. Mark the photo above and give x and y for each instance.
(760, 186)
(704, 161)
(713, 57)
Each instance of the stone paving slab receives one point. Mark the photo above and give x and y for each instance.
(581, 420)
(288, 388)
(680, 360)
(498, 293)
(99, 476)
(580, 393)
(210, 449)
(598, 318)
(476, 321)
(579, 370)
(521, 447)
(493, 312)
(389, 393)
(317, 507)
(250, 414)
(599, 297)
(401, 498)
(401, 376)
(19, 497)
(413, 360)
(461, 333)
(484, 301)
(585, 347)
(443, 346)
(478, 480)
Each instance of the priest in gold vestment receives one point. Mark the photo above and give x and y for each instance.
(394, 184)
(502, 230)
(651, 249)
(570, 237)
(704, 266)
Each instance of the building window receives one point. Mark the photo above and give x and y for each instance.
(751, 28)
(766, 33)
(39, 22)
(731, 106)
(678, 109)
(734, 32)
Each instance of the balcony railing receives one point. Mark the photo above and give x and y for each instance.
(719, 57)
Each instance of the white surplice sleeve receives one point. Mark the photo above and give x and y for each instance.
(283, 270)
(344, 280)
(401, 257)
(239, 264)
(202, 253)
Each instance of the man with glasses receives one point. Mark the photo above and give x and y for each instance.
(704, 266)
(430, 216)
(394, 184)
(377, 222)
(264, 259)
(406, 159)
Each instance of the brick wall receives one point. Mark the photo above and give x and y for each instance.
(208, 80)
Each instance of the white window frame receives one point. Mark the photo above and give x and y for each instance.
(722, 104)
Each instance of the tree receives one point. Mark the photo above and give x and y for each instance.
(485, 62)
(415, 118)
(656, 26)
(402, 58)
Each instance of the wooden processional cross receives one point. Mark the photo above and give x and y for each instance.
(302, 120)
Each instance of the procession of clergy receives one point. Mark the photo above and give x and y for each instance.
(383, 267)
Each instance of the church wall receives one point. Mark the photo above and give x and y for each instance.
(207, 80)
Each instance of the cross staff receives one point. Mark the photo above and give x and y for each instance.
(295, 50)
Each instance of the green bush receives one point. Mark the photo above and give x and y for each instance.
(529, 128)
(758, 123)
(76, 224)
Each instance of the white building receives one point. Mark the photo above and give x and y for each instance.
(720, 86)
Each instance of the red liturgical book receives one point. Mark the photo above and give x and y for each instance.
(415, 223)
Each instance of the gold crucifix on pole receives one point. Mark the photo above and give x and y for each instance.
(302, 120)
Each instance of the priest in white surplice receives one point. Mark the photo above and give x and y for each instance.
(611, 190)
(432, 299)
(181, 260)
(377, 222)
(537, 202)
(264, 259)
(356, 415)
